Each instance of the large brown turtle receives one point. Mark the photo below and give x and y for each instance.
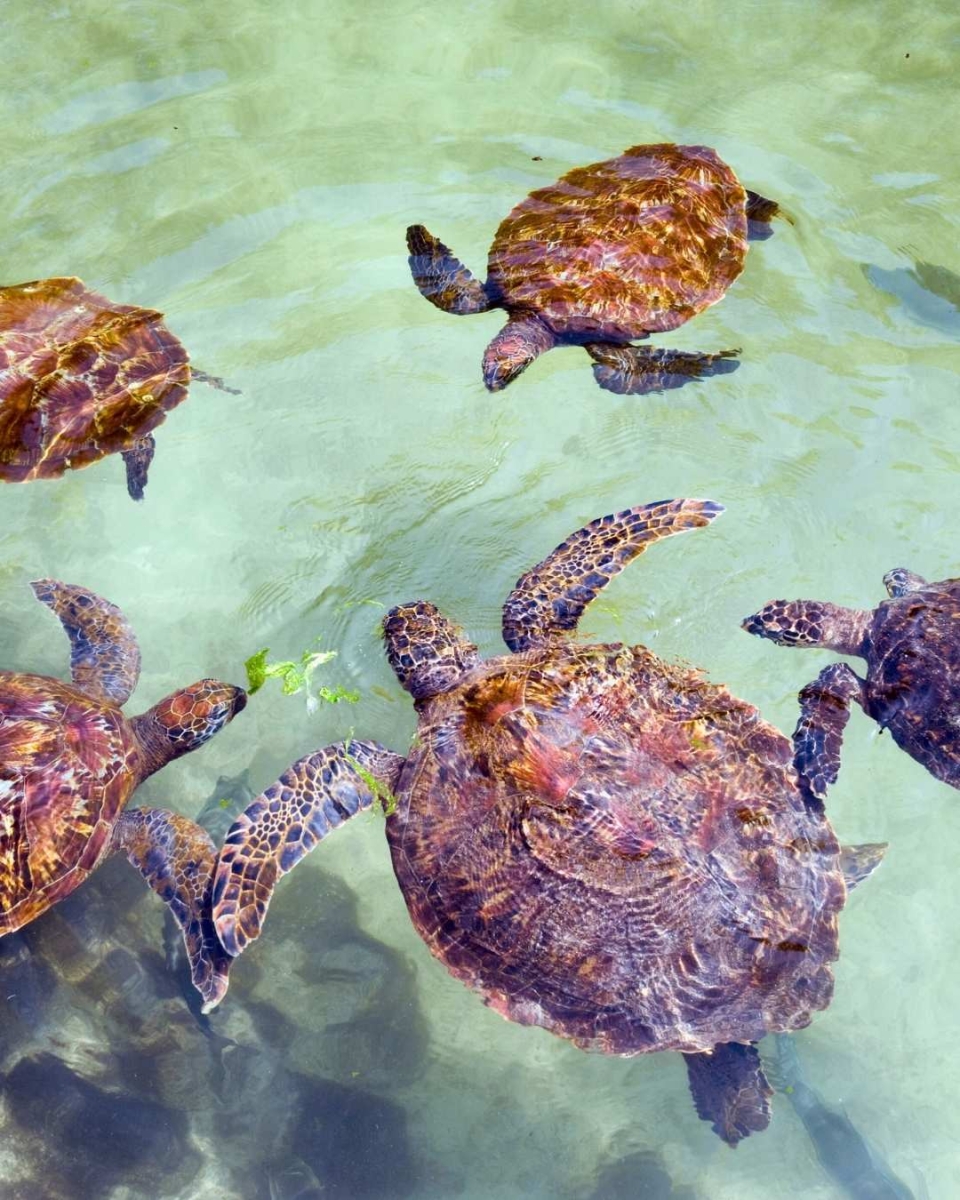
(607, 255)
(595, 840)
(69, 762)
(82, 377)
(911, 644)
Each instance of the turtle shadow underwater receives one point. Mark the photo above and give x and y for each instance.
(108, 1080)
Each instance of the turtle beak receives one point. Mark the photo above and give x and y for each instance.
(498, 372)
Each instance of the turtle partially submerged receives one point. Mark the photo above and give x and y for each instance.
(607, 255)
(82, 377)
(595, 840)
(69, 762)
(911, 644)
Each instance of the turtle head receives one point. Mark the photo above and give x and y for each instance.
(787, 622)
(811, 623)
(429, 654)
(188, 718)
(514, 348)
(901, 582)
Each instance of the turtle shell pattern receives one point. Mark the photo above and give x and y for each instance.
(637, 244)
(611, 847)
(913, 678)
(80, 376)
(68, 764)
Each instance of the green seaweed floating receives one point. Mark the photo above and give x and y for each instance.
(295, 677)
(383, 797)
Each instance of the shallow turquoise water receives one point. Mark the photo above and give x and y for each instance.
(249, 169)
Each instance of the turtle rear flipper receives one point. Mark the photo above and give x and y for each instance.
(104, 655)
(730, 1090)
(760, 212)
(441, 278)
(137, 460)
(857, 862)
(639, 370)
(178, 859)
(312, 797)
(550, 599)
(214, 381)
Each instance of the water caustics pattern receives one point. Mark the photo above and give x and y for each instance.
(250, 173)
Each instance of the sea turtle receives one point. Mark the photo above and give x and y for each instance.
(603, 257)
(911, 645)
(69, 762)
(597, 841)
(81, 377)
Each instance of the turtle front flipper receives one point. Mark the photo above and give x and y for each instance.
(178, 859)
(104, 655)
(730, 1090)
(824, 713)
(550, 599)
(441, 278)
(639, 370)
(317, 794)
(137, 460)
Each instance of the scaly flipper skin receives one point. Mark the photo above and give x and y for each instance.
(104, 655)
(178, 859)
(427, 651)
(317, 794)
(824, 712)
(730, 1090)
(549, 600)
(441, 278)
(640, 370)
(137, 460)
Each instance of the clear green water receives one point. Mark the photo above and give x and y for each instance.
(249, 168)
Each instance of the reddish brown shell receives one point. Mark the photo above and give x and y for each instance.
(913, 675)
(613, 848)
(80, 376)
(634, 245)
(68, 764)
